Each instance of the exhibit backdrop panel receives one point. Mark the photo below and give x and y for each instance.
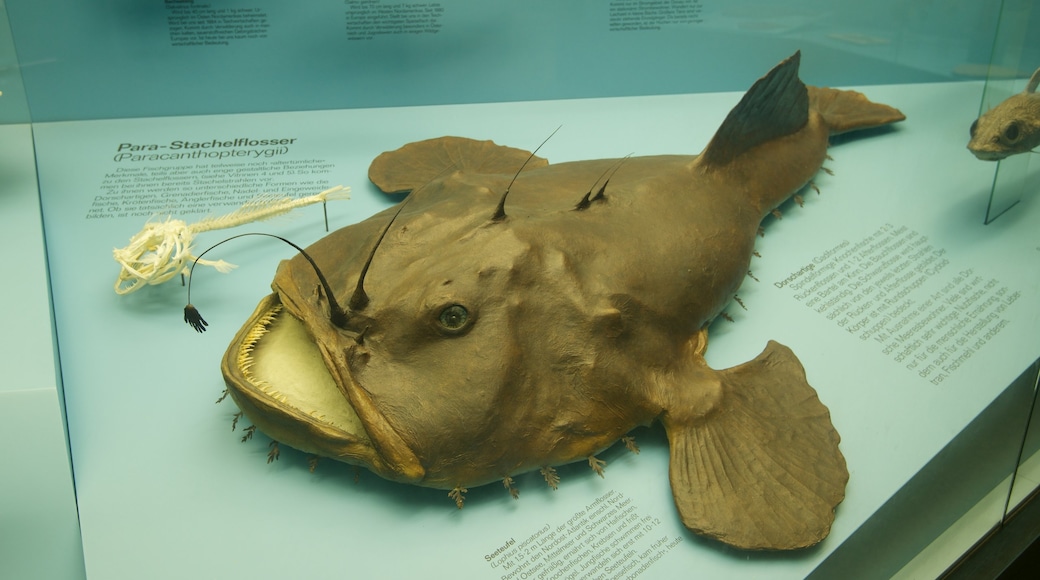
(161, 475)
(140, 58)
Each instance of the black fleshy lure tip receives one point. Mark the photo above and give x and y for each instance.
(192, 317)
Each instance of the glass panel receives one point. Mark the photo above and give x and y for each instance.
(1027, 477)
(1014, 59)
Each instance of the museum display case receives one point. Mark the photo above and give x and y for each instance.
(903, 277)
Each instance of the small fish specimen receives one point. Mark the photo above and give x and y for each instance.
(163, 249)
(511, 315)
(1011, 127)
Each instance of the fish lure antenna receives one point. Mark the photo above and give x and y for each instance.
(500, 211)
(359, 299)
(336, 314)
(589, 198)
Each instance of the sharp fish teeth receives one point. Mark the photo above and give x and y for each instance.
(245, 353)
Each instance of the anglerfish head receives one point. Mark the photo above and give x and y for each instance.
(475, 353)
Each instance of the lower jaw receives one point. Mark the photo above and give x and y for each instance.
(276, 375)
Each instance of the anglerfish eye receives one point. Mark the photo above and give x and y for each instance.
(974, 127)
(454, 318)
(1011, 132)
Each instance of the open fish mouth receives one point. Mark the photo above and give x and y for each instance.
(277, 376)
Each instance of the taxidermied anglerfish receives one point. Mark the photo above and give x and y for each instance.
(1011, 127)
(502, 320)
(163, 249)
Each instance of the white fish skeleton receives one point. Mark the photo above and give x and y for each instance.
(163, 249)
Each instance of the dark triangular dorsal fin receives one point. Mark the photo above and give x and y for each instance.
(776, 105)
(761, 468)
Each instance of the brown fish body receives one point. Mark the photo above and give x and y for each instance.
(491, 347)
(575, 303)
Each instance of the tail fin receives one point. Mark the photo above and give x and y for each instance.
(776, 105)
(848, 110)
(762, 469)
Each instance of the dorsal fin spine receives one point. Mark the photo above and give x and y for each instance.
(500, 209)
(587, 200)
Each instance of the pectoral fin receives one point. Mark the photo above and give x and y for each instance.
(418, 163)
(761, 469)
